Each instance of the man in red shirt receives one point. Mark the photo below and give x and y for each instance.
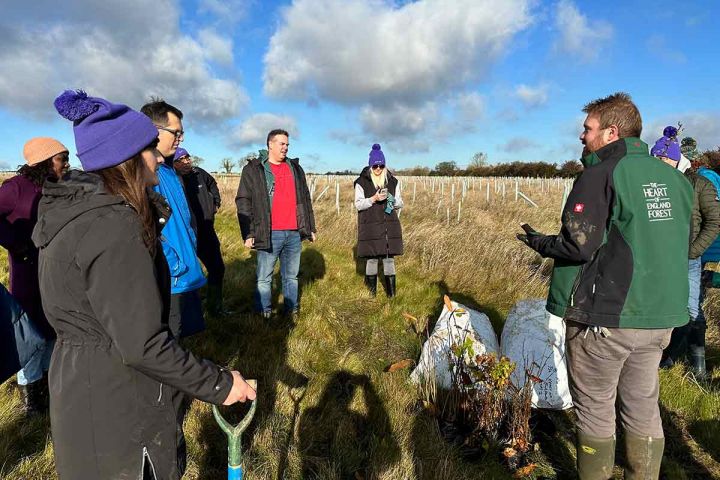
(275, 215)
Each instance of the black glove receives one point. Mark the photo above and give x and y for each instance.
(530, 237)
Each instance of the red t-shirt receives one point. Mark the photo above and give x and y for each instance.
(284, 204)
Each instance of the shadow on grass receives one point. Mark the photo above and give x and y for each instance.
(705, 433)
(677, 449)
(258, 348)
(335, 438)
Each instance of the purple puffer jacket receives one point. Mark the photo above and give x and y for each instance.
(19, 199)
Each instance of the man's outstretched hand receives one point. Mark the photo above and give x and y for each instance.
(530, 236)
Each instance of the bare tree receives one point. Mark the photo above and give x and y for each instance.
(246, 159)
(227, 164)
(478, 160)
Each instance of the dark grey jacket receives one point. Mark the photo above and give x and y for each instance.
(254, 202)
(115, 364)
(202, 194)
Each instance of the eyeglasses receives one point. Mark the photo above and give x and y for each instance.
(378, 166)
(177, 133)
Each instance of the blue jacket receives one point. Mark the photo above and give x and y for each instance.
(19, 340)
(178, 236)
(712, 254)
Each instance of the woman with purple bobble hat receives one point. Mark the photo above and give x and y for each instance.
(688, 341)
(377, 199)
(105, 286)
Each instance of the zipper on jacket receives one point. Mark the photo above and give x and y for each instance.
(146, 457)
(576, 285)
(160, 396)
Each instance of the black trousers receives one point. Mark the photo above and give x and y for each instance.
(186, 314)
(208, 251)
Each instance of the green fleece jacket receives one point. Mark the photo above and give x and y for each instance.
(621, 257)
(705, 216)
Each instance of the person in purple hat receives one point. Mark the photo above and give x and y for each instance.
(688, 341)
(203, 197)
(105, 284)
(377, 199)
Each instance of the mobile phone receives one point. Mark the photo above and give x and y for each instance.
(383, 191)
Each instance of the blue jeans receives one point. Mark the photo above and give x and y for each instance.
(38, 364)
(286, 245)
(697, 292)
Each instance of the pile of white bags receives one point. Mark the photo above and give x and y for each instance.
(453, 328)
(532, 338)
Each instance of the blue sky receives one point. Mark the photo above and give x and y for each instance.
(430, 80)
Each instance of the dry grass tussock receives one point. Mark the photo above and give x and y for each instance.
(327, 409)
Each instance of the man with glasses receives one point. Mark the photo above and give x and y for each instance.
(275, 214)
(203, 196)
(179, 239)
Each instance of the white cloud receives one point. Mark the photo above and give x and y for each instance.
(658, 47)
(231, 11)
(116, 50)
(470, 106)
(216, 48)
(532, 97)
(396, 120)
(393, 61)
(704, 127)
(519, 144)
(357, 52)
(580, 36)
(254, 130)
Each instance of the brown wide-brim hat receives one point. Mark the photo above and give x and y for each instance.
(39, 149)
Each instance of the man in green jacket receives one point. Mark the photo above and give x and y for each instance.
(689, 340)
(620, 282)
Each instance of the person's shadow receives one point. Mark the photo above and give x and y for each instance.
(258, 348)
(336, 440)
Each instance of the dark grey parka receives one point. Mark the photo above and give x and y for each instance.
(115, 365)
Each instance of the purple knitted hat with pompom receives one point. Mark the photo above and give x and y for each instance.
(376, 156)
(667, 145)
(106, 134)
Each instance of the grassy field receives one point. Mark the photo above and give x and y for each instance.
(326, 407)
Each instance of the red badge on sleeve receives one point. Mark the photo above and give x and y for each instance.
(579, 207)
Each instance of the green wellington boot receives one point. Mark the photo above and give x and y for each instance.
(643, 457)
(595, 457)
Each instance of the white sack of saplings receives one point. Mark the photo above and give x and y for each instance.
(454, 326)
(534, 339)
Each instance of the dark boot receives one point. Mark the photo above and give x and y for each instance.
(32, 398)
(677, 349)
(643, 456)
(595, 457)
(371, 284)
(214, 300)
(696, 349)
(390, 285)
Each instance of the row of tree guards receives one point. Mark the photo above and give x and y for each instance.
(489, 188)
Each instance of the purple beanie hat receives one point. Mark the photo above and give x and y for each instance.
(376, 156)
(106, 134)
(667, 145)
(180, 152)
